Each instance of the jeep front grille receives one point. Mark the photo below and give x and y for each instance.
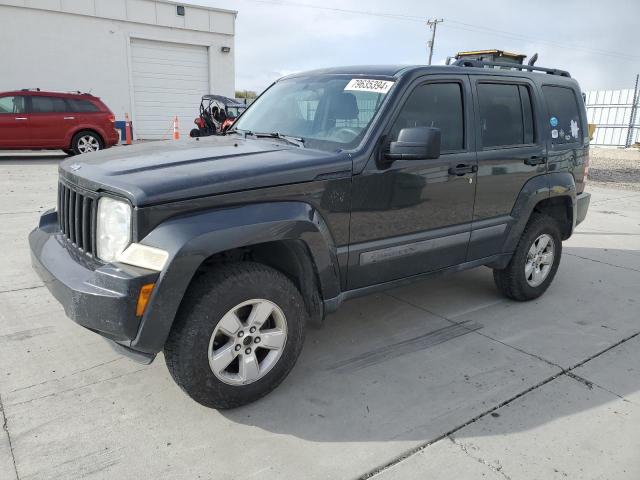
(77, 218)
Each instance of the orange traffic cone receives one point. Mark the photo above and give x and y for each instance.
(127, 130)
(176, 129)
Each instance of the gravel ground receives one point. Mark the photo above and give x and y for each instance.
(615, 168)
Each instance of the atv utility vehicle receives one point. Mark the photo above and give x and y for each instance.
(217, 114)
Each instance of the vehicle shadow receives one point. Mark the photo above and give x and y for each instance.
(396, 366)
(20, 158)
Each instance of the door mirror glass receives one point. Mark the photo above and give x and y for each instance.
(416, 143)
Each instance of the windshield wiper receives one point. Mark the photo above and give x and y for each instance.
(245, 133)
(291, 140)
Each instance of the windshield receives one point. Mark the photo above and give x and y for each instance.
(326, 112)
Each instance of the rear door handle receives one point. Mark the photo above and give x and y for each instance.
(462, 169)
(21, 118)
(535, 160)
(69, 118)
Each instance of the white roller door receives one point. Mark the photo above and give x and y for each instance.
(169, 79)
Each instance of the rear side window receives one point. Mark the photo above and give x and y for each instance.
(48, 104)
(436, 105)
(81, 106)
(564, 115)
(506, 115)
(12, 105)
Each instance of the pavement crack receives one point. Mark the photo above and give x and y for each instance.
(477, 330)
(497, 469)
(451, 432)
(21, 212)
(591, 384)
(5, 427)
(600, 261)
(427, 444)
(537, 357)
(53, 394)
(602, 352)
(67, 376)
(584, 381)
(21, 289)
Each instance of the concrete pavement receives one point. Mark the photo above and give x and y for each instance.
(440, 379)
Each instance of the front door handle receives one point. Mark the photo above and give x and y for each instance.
(21, 118)
(462, 169)
(69, 118)
(535, 160)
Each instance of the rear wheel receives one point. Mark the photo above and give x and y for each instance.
(86, 142)
(237, 336)
(535, 261)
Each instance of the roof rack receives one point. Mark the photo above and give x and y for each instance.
(531, 68)
(30, 90)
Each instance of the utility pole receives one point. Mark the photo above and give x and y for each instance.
(632, 117)
(432, 25)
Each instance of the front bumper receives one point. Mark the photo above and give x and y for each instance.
(582, 205)
(99, 297)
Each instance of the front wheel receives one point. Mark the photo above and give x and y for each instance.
(237, 336)
(534, 263)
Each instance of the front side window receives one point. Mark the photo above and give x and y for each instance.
(48, 105)
(506, 115)
(12, 105)
(329, 112)
(564, 115)
(436, 105)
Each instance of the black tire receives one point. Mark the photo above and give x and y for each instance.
(70, 153)
(77, 138)
(512, 281)
(207, 300)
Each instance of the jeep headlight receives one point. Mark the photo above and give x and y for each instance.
(113, 229)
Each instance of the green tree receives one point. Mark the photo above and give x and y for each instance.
(246, 94)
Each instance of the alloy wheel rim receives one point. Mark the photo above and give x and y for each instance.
(539, 260)
(88, 143)
(247, 342)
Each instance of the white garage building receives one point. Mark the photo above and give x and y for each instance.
(152, 59)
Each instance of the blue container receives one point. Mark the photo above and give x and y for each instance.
(120, 126)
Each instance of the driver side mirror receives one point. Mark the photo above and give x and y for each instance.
(416, 143)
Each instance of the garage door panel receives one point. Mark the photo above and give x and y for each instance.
(168, 80)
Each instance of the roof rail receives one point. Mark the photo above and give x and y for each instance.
(30, 90)
(531, 68)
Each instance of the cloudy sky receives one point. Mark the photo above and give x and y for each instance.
(597, 41)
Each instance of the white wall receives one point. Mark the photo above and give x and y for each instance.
(55, 50)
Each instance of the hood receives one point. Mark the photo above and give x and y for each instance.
(160, 172)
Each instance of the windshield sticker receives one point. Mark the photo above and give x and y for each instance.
(554, 133)
(368, 85)
(553, 121)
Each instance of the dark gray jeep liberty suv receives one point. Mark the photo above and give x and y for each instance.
(333, 184)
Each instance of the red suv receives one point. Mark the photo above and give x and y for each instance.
(73, 122)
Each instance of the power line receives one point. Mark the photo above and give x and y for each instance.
(452, 24)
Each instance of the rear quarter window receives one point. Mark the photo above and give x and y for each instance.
(564, 121)
(82, 106)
